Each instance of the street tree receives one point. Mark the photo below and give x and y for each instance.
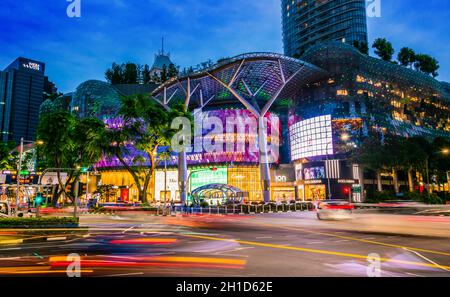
(427, 64)
(406, 57)
(383, 49)
(68, 142)
(147, 129)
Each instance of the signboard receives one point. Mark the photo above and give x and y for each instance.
(172, 186)
(51, 178)
(32, 66)
(311, 138)
(207, 177)
(3, 178)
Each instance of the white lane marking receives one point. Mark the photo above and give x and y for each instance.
(264, 237)
(125, 231)
(413, 274)
(11, 249)
(426, 259)
(123, 274)
(56, 238)
(315, 242)
(12, 258)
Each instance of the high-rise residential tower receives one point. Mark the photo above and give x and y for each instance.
(309, 22)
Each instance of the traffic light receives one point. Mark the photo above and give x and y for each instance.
(38, 199)
(346, 190)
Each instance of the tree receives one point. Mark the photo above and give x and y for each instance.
(146, 125)
(69, 143)
(145, 74)
(371, 155)
(362, 46)
(406, 57)
(8, 157)
(416, 152)
(114, 75)
(164, 74)
(172, 71)
(427, 64)
(130, 73)
(439, 159)
(383, 49)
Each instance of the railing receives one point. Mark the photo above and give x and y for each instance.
(238, 209)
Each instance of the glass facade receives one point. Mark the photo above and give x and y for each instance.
(386, 96)
(309, 22)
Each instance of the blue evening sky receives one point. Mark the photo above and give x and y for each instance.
(75, 50)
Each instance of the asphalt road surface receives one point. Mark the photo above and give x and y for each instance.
(269, 245)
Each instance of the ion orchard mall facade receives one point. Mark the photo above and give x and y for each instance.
(323, 106)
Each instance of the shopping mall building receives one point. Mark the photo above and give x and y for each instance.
(324, 104)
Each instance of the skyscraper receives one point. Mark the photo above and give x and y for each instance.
(308, 22)
(21, 94)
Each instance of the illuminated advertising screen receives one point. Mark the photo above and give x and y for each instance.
(171, 182)
(239, 145)
(314, 173)
(207, 177)
(311, 138)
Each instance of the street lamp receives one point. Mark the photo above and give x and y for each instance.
(19, 168)
(444, 151)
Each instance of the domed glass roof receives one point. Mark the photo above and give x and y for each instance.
(95, 98)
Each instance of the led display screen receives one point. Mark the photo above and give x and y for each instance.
(207, 177)
(311, 138)
(314, 173)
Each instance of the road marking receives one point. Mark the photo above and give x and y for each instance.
(413, 274)
(123, 274)
(11, 241)
(129, 229)
(315, 251)
(264, 237)
(360, 240)
(428, 260)
(56, 238)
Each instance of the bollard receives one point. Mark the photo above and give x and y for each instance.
(210, 210)
(234, 208)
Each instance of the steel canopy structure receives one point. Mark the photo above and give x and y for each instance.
(254, 81)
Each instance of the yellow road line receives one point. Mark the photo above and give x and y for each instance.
(315, 251)
(358, 239)
(11, 241)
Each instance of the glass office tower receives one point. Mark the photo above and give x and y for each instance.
(21, 94)
(309, 22)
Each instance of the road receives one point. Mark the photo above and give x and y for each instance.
(269, 245)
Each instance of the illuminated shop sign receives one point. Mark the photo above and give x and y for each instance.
(207, 177)
(32, 66)
(311, 138)
(313, 182)
(171, 185)
(346, 181)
